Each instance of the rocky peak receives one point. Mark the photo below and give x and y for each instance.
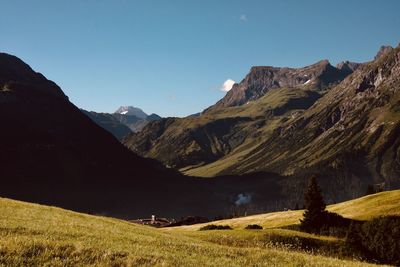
(347, 66)
(130, 110)
(383, 50)
(261, 79)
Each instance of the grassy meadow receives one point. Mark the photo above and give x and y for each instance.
(36, 235)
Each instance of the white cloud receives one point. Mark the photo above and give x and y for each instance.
(243, 18)
(227, 85)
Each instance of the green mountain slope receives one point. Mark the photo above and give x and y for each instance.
(265, 99)
(351, 133)
(348, 134)
(194, 141)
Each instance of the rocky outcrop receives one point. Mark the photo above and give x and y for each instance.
(348, 67)
(383, 50)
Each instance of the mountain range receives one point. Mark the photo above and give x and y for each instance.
(123, 121)
(52, 153)
(260, 143)
(339, 122)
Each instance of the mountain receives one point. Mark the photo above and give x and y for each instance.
(265, 98)
(153, 117)
(134, 118)
(347, 133)
(122, 122)
(348, 67)
(262, 79)
(110, 123)
(129, 110)
(135, 124)
(52, 153)
(353, 131)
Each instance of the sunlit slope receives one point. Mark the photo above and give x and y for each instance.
(364, 208)
(207, 144)
(34, 235)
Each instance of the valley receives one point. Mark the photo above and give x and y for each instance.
(188, 133)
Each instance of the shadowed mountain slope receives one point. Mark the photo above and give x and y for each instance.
(110, 123)
(52, 153)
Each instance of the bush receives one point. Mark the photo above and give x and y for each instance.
(253, 226)
(334, 224)
(378, 239)
(215, 227)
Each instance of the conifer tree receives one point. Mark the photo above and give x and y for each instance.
(314, 215)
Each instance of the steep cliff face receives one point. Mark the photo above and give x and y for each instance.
(262, 79)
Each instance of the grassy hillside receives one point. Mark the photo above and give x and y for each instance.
(207, 144)
(34, 235)
(364, 208)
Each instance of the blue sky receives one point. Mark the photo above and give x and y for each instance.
(172, 57)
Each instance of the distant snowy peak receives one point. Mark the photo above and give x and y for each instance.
(129, 110)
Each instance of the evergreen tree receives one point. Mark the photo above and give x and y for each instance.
(314, 215)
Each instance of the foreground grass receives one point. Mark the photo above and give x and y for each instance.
(34, 235)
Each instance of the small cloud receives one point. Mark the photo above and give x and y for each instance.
(227, 85)
(243, 18)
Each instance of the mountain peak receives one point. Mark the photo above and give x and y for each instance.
(383, 50)
(261, 79)
(130, 110)
(348, 66)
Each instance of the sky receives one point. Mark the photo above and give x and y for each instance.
(175, 58)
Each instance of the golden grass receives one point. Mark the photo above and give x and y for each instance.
(35, 235)
(364, 208)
